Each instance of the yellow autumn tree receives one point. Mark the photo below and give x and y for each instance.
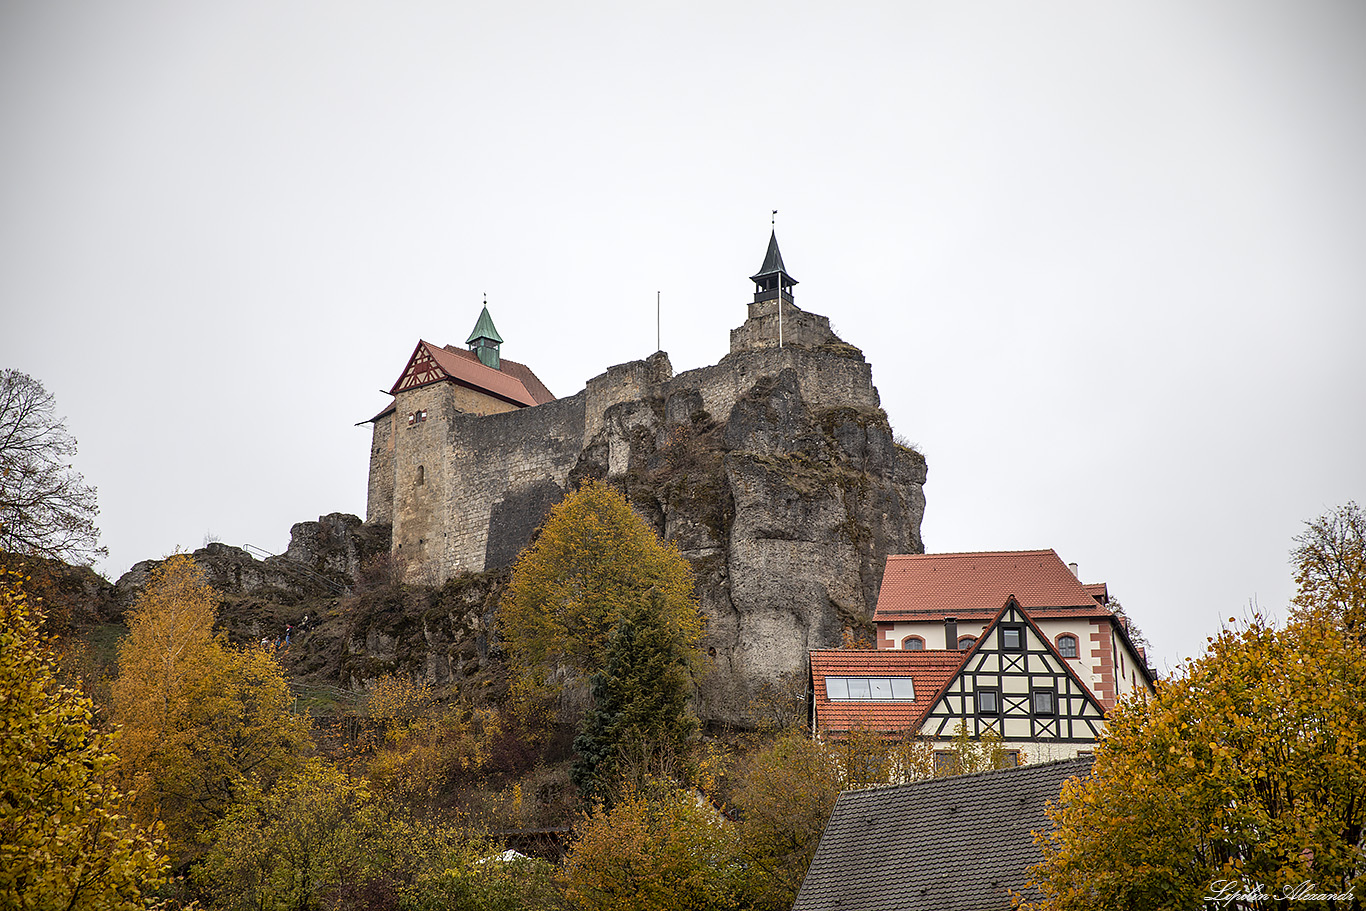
(594, 563)
(1249, 766)
(65, 841)
(658, 848)
(785, 796)
(201, 720)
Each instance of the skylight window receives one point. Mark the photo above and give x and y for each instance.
(869, 688)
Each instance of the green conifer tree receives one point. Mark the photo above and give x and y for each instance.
(640, 719)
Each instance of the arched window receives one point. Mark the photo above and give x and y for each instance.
(1067, 645)
(913, 644)
(966, 642)
(421, 476)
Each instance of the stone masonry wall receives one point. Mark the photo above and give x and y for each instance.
(762, 329)
(379, 498)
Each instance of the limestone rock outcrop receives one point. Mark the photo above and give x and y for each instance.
(787, 510)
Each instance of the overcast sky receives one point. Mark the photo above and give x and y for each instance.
(1108, 260)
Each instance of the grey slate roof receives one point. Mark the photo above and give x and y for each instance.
(944, 844)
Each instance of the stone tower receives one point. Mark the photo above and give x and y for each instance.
(774, 320)
(411, 473)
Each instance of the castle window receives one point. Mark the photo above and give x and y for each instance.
(913, 644)
(421, 476)
(966, 642)
(1067, 646)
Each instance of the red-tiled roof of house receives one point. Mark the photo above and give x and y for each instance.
(975, 585)
(928, 669)
(1098, 591)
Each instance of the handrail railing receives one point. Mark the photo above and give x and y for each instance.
(262, 554)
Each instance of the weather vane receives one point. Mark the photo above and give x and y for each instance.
(773, 222)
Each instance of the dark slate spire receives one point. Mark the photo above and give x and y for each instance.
(772, 278)
(484, 340)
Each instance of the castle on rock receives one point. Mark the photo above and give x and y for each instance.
(774, 471)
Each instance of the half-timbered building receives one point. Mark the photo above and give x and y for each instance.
(1013, 681)
(944, 664)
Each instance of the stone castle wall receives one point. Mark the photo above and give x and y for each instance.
(379, 492)
(487, 481)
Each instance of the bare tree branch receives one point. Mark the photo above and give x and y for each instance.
(46, 508)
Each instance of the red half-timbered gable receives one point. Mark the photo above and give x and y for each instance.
(422, 369)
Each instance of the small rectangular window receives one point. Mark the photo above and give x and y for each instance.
(1009, 759)
(945, 762)
(1045, 702)
(1012, 638)
(989, 701)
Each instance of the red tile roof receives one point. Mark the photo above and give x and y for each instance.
(471, 372)
(521, 372)
(975, 585)
(513, 382)
(929, 669)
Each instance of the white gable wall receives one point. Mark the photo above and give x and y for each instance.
(932, 631)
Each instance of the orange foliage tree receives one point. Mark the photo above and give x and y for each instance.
(201, 720)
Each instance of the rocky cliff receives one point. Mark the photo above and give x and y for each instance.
(787, 512)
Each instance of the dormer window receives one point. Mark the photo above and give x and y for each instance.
(913, 644)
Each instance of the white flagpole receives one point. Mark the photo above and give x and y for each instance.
(774, 224)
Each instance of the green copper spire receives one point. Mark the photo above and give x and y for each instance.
(484, 340)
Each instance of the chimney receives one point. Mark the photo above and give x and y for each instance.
(950, 632)
(1073, 567)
